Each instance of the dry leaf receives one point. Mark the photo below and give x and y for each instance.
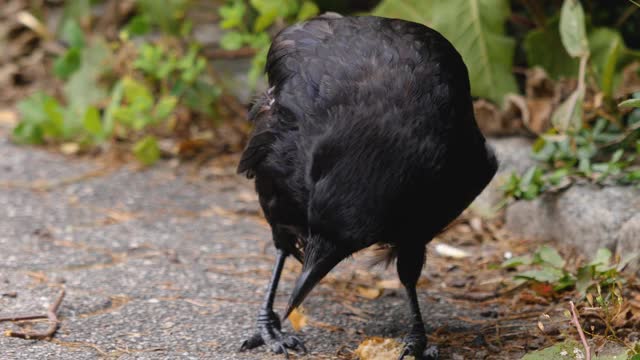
(392, 284)
(369, 292)
(450, 251)
(8, 118)
(298, 319)
(377, 348)
(69, 148)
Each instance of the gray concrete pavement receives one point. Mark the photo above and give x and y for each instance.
(163, 265)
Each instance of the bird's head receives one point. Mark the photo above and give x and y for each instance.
(320, 256)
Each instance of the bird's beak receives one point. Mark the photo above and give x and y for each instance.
(310, 277)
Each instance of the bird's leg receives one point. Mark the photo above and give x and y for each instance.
(410, 264)
(268, 323)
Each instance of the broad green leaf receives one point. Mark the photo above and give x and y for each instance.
(568, 116)
(544, 48)
(550, 256)
(630, 103)
(420, 11)
(477, 30)
(147, 150)
(572, 28)
(545, 275)
(92, 123)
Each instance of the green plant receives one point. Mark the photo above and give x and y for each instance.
(135, 103)
(602, 272)
(605, 150)
(248, 24)
(555, 42)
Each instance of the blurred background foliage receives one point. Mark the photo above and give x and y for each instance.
(174, 78)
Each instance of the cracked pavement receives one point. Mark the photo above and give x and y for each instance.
(164, 264)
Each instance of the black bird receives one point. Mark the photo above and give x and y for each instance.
(366, 136)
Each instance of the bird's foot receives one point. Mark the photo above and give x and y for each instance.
(414, 345)
(270, 334)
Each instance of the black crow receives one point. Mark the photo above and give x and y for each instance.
(366, 136)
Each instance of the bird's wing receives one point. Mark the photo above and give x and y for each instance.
(285, 60)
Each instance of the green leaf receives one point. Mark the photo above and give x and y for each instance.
(630, 103)
(420, 11)
(166, 14)
(572, 28)
(545, 275)
(608, 57)
(165, 107)
(147, 150)
(72, 34)
(568, 116)
(476, 29)
(138, 26)
(516, 261)
(584, 280)
(67, 64)
(308, 9)
(76, 11)
(136, 92)
(558, 351)
(232, 41)
(602, 259)
(232, 14)
(30, 130)
(84, 88)
(117, 94)
(92, 123)
(544, 48)
(550, 256)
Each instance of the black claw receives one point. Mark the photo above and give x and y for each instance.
(253, 342)
(269, 333)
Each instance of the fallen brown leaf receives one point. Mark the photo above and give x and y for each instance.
(298, 319)
(377, 348)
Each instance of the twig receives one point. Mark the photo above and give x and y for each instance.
(23, 317)
(576, 322)
(53, 323)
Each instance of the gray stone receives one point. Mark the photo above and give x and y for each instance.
(585, 216)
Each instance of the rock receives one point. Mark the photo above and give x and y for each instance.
(514, 154)
(585, 216)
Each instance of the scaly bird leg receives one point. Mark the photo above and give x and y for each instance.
(268, 323)
(409, 268)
